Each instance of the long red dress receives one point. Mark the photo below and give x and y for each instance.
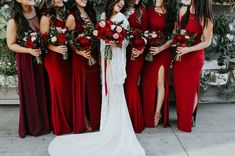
(150, 74)
(86, 89)
(186, 76)
(59, 72)
(133, 70)
(34, 109)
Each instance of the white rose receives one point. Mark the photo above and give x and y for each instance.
(113, 27)
(63, 30)
(153, 35)
(33, 34)
(115, 36)
(53, 39)
(187, 37)
(182, 31)
(119, 29)
(33, 39)
(59, 29)
(102, 24)
(95, 33)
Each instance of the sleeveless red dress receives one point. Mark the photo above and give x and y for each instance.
(133, 70)
(59, 72)
(186, 76)
(150, 74)
(34, 108)
(86, 89)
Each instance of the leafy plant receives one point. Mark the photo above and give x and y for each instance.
(7, 58)
(224, 42)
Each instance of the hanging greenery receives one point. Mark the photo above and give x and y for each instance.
(7, 58)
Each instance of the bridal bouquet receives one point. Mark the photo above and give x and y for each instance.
(33, 40)
(155, 39)
(182, 38)
(111, 33)
(60, 36)
(137, 40)
(84, 42)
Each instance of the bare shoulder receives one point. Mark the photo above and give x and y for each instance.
(70, 18)
(45, 19)
(183, 10)
(11, 23)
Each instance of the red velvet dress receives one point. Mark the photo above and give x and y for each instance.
(150, 74)
(133, 70)
(86, 89)
(34, 109)
(59, 72)
(186, 76)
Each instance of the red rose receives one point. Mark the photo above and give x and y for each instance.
(178, 38)
(174, 41)
(124, 33)
(134, 33)
(85, 43)
(183, 45)
(138, 43)
(108, 32)
(29, 44)
(61, 38)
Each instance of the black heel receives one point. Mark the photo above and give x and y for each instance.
(194, 119)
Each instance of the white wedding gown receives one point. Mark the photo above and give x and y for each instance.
(116, 137)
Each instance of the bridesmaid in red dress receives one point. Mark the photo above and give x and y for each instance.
(59, 70)
(197, 19)
(34, 113)
(137, 17)
(86, 86)
(155, 89)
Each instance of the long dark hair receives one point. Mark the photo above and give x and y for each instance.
(203, 12)
(89, 10)
(109, 8)
(139, 9)
(19, 18)
(48, 9)
(171, 16)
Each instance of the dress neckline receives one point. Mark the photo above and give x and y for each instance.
(159, 13)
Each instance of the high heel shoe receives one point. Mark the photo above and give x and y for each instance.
(157, 118)
(89, 129)
(194, 119)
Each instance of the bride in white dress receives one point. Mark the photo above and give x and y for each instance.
(116, 136)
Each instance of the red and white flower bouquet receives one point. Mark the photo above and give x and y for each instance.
(111, 33)
(60, 36)
(155, 39)
(137, 40)
(33, 40)
(182, 38)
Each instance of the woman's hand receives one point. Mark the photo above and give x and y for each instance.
(61, 49)
(182, 51)
(34, 52)
(84, 53)
(117, 45)
(155, 50)
(137, 52)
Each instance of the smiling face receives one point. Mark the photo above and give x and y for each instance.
(59, 3)
(81, 3)
(27, 2)
(119, 6)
